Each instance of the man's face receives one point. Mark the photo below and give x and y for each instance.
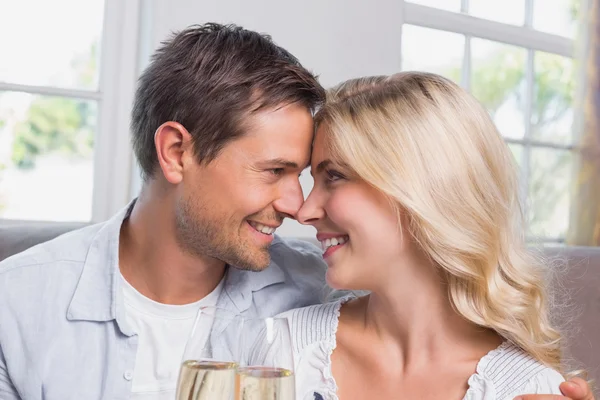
(230, 208)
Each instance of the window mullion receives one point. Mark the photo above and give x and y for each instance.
(529, 13)
(467, 63)
(526, 160)
(51, 91)
(464, 6)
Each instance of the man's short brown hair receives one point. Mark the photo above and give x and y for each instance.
(211, 78)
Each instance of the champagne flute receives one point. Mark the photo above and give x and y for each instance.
(267, 368)
(211, 356)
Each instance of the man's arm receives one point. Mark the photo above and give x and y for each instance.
(574, 389)
(7, 389)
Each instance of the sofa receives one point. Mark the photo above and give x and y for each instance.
(578, 269)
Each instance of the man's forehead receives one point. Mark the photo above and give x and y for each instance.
(275, 147)
(280, 154)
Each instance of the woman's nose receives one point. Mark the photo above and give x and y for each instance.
(312, 209)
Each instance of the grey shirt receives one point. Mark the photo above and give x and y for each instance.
(63, 331)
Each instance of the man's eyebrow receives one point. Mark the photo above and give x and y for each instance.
(279, 162)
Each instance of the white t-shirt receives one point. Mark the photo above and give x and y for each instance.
(163, 331)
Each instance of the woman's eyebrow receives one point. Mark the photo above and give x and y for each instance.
(322, 165)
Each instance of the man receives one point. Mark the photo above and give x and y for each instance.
(222, 127)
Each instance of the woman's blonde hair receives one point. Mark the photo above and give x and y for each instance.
(434, 151)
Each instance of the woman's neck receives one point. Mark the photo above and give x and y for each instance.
(412, 317)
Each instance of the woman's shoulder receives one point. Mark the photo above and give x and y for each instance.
(314, 324)
(509, 371)
(313, 330)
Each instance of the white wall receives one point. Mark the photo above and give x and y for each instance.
(336, 39)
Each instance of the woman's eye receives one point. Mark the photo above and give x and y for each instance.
(333, 176)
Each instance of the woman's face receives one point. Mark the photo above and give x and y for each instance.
(356, 224)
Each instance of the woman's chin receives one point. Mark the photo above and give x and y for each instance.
(332, 281)
(336, 281)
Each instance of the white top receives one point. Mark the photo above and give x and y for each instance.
(503, 373)
(163, 331)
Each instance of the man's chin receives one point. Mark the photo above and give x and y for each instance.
(256, 262)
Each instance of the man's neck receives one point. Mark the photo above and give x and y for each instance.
(151, 260)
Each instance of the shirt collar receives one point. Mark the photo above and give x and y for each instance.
(96, 295)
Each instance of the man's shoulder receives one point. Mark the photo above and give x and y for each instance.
(42, 280)
(293, 252)
(300, 273)
(68, 249)
(300, 260)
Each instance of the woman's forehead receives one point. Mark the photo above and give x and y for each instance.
(319, 148)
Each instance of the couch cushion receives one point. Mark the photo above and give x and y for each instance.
(578, 280)
(16, 236)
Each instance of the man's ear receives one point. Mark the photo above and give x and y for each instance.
(173, 144)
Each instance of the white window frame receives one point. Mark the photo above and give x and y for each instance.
(117, 78)
(521, 36)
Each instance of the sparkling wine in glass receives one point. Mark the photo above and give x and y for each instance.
(267, 368)
(211, 356)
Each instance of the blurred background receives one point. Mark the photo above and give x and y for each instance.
(68, 70)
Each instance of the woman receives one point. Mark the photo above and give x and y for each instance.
(416, 201)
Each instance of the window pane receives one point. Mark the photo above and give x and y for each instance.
(450, 5)
(550, 177)
(517, 152)
(445, 60)
(506, 11)
(557, 16)
(46, 154)
(554, 91)
(58, 42)
(498, 81)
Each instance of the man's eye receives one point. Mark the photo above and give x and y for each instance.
(277, 171)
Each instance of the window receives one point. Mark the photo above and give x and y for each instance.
(56, 87)
(49, 96)
(516, 57)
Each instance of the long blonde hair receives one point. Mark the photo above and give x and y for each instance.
(434, 151)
